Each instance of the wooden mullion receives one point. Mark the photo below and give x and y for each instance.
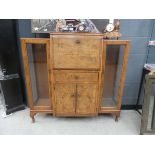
(102, 72)
(27, 75)
(49, 70)
(123, 74)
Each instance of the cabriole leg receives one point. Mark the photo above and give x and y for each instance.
(32, 114)
(117, 115)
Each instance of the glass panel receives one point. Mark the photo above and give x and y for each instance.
(151, 56)
(113, 67)
(37, 58)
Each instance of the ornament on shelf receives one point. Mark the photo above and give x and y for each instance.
(60, 24)
(75, 25)
(112, 30)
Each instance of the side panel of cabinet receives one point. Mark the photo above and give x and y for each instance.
(65, 99)
(86, 99)
(36, 56)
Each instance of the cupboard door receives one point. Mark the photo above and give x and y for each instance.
(65, 99)
(86, 99)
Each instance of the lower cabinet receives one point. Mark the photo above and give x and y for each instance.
(64, 99)
(76, 99)
(86, 99)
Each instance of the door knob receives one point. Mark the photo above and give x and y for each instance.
(72, 95)
(78, 95)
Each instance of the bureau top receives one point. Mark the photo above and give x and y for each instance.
(77, 34)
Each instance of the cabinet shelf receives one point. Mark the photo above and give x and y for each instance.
(108, 102)
(43, 102)
(43, 105)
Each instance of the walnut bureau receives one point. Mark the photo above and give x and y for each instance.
(75, 74)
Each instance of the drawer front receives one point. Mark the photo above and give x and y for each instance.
(61, 76)
(76, 52)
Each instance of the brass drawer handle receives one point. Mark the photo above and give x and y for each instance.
(77, 41)
(76, 77)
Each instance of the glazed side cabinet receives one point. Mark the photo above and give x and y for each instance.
(75, 74)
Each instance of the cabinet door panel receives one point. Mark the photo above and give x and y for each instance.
(86, 99)
(65, 99)
(79, 52)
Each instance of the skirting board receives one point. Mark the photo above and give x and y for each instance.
(131, 107)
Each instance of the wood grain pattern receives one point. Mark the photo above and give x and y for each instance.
(35, 40)
(44, 101)
(70, 50)
(61, 76)
(75, 68)
(49, 73)
(86, 99)
(102, 73)
(117, 42)
(65, 98)
(116, 109)
(27, 75)
(123, 74)
(76, 52)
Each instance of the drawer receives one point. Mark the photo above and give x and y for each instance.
(76, 52)
(61, 76)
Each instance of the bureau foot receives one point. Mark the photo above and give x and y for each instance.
(33, 119)
(117, 115)
(32, 114)
(116, 119)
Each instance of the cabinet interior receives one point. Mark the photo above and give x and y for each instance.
(112, 75)
(37, 60)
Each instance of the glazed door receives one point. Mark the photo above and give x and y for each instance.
(86, 99)
(65, 99)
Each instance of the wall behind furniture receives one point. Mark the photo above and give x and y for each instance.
(151, 54)
(23, 30)
(139, 31)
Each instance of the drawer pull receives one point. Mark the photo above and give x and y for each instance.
(76, 77)
(77, 41)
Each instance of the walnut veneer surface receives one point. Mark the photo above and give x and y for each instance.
(67, 77)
